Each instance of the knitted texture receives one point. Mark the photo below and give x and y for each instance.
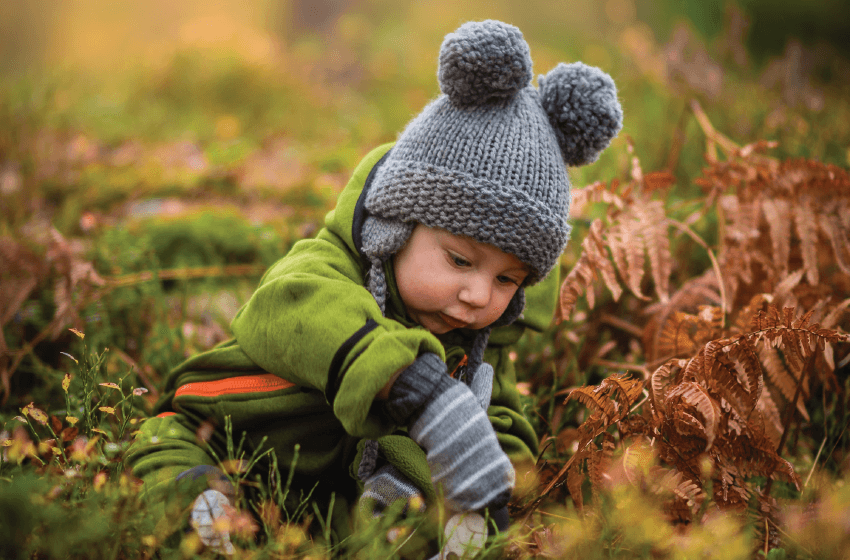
(484, 61)
(382, 238)
(384, 488)
(582, 106)
(483, 159)
(481, 385)
(462, 449)
(413, 387)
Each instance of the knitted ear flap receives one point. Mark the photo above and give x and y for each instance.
(382, 238)
(581, 102)
(484, 61)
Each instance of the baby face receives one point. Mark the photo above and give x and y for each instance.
(447, 281)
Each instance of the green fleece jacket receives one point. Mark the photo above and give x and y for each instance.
(310, 351)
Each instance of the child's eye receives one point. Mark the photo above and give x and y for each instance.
(506, 280)
(458, 260)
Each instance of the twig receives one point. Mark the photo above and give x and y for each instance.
(711, 133)
(621, 324)
(693, 235)
(184, 274)
(792, 405)
(815, 464)
(645, 398)
(149, 385)
(618, 365)
(789, 414)
(554, 482)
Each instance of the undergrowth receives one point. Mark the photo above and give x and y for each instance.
(691, 396)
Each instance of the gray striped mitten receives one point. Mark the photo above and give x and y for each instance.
(461, 447)
(384, 488)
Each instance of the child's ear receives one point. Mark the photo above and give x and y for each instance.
(583, 109)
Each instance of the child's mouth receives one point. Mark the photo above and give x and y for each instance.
(452, 322)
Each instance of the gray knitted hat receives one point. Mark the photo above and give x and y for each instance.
(486, 159)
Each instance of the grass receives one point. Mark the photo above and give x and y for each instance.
(141, 207)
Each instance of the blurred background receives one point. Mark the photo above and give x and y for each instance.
(138, 137)
(338, 77)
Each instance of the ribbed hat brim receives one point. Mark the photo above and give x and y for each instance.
(493, 213)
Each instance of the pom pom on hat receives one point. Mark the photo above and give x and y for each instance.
(581, 102)
(484, 61)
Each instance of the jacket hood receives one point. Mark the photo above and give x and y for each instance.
(346, 219)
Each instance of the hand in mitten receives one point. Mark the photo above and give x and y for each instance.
(447, 420)
(384, 488)
(212, 508)
(482, 385)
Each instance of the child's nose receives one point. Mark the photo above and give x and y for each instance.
(476, 291)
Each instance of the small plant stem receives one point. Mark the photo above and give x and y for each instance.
(766, 537)
(146, 381)
(792, 405)
(183, 274)
(815, 464)
(621, 324)
(789, 415)
(618, 365)
(645, 398)
(554, 482)
(692, 234)
(58, 441)
(711, 133)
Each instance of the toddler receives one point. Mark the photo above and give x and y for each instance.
(380, 347)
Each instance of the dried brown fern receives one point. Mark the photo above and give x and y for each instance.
(634, 231)
(730, 365)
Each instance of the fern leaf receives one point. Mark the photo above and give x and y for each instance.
(657, 180)
(777, 213)
(695, 396)
(839, 237)
(723, 380)
(754, 455)
(806, 221)
(638, 458)
(595, 399)
(616, 240)
(599, 463)
(657, 243)
(771, 420)
(661, 379)
(625, 385)
(690, 493)
(788, 317)
(579, 280)
(780, 376)
(745, 353)
(624, 238)
(803, 322)
(600, 260)
(575, 479)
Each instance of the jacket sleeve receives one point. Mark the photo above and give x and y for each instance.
(312, 322)
(507, 414)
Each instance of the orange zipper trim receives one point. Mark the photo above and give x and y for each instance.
(460, 364)
(262, 383)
